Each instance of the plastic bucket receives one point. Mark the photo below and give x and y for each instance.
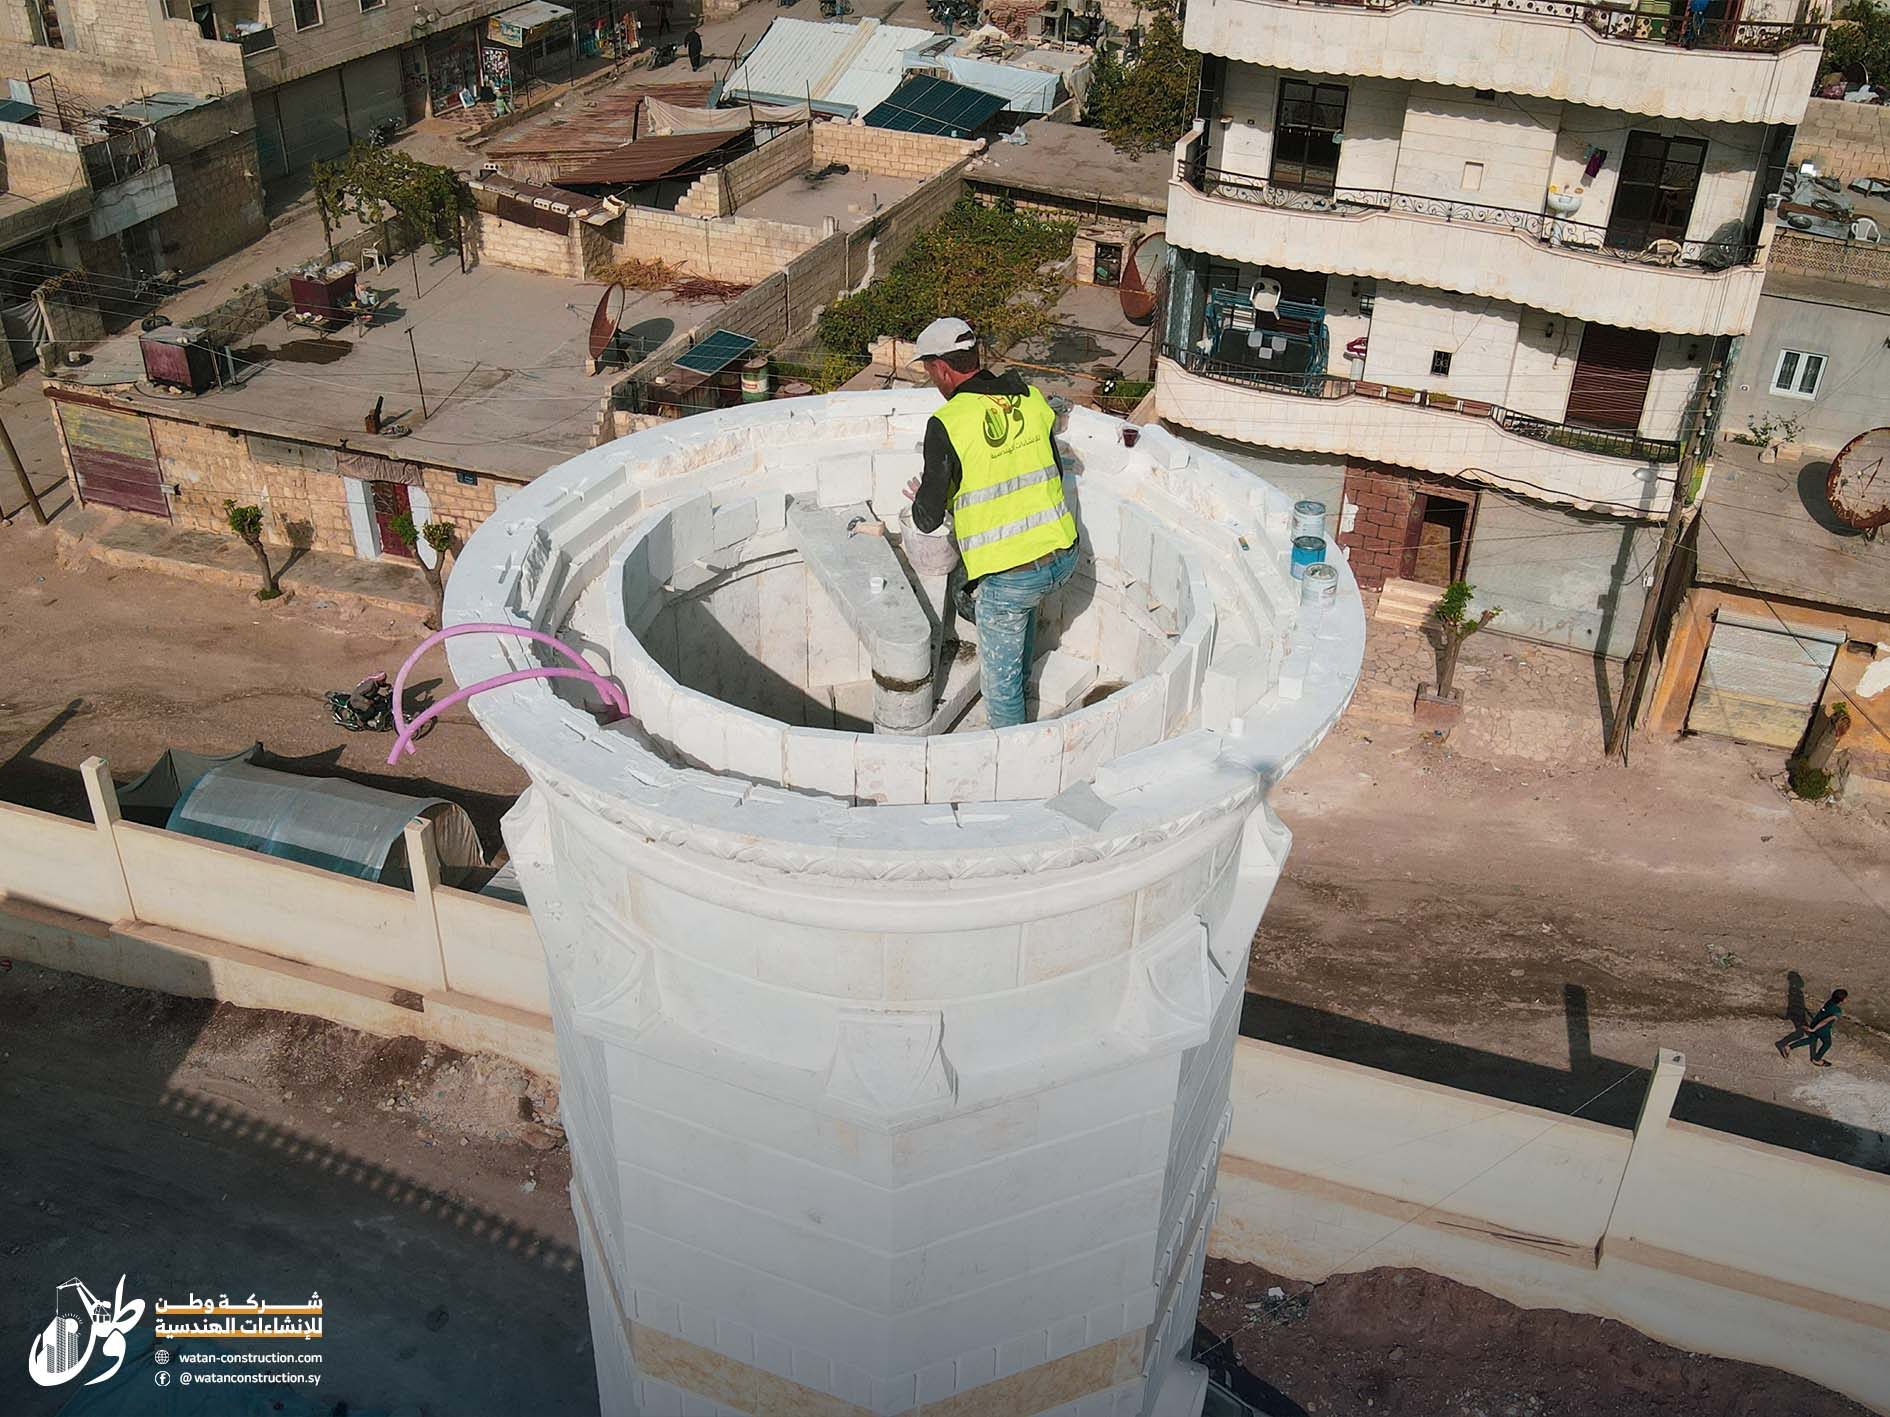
(1307, 551)
(794, 389)
(1309, 519)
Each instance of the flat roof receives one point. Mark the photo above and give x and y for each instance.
(1076, 163)
(1827, 290)
(502, 358)
(599, 122)
(649, 159)
(1768, 528)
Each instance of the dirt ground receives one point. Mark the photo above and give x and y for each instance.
(205, 1148)
(1533, 933)
(1403, 1343)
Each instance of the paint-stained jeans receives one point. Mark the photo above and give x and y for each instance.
(1007, 631)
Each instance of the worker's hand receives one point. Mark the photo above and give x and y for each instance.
(912, 489)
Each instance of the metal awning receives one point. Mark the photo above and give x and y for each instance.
(925, 105)
(517, 25)
(651, 159)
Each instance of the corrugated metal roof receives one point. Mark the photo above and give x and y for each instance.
(839, 66)
(597, 125)
(925, 105)
(651, 158)
(532, 14)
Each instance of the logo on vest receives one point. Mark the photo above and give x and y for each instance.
(1002, 418)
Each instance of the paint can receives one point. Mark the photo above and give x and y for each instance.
(755, 379)
(1307, 551)
(1309, 519)
(1319, 586)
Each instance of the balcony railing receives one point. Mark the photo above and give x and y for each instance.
(1626, 22)
(1523, 425)
(1545, 227)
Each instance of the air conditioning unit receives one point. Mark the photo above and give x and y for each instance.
(178, 359)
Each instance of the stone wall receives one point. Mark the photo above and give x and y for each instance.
(1847, 140)
(723, 248)
(211, 152)
(727, 189)
(347, 33)
(1054, 208)
(889, 154)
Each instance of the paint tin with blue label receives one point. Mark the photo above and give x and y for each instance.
(1307, 551)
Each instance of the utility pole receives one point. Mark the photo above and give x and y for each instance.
(19, 471)
(1635, 670)
(414, 350)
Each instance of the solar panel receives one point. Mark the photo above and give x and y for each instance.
(924, 105)
(716, 353)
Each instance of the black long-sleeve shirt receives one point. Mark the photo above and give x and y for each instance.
(938, 485)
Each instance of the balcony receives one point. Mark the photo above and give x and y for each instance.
(1533, 259)
(1587, 468)
(1611, 56)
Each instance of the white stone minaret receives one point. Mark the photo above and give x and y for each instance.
(895, 1064)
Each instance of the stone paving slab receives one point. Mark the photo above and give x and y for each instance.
(143, 543)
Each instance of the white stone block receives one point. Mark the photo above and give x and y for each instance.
(977, 1368)
(845, 479)
(1062, 944)
(892, 1396)
(754, 746)
(887, 768)
(1061, 679)
(1141, 709)
(1030, 1351)
(961, 767)
(1232, 684)
(697, 729)
(963, 964)
(734, 522)
(820, 761)
(1138, 542)
(1068, 1336)
(1100, 525)
(1089, 741)
(691, 530)
(770, 510)
(809, 1370)
(1028, 762)
(891, 472)
(937, 1382)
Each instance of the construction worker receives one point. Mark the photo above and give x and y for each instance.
(991, 461)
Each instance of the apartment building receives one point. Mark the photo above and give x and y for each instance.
(1463, 270)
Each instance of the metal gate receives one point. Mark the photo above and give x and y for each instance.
(113, 458)
(1761, 680)
(372, 86)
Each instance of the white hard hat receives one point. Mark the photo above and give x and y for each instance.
(944, 336)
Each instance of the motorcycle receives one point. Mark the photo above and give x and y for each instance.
(383, 132)
(366, 708)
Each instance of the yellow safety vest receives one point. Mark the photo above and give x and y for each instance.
(1009, 509)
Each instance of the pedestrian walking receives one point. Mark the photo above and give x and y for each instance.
(1817, 1031)
(692, 42)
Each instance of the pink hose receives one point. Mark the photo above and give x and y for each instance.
(406, 730)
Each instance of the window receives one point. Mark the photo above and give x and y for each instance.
(367, 5)
(308, 14)
(1306, 135)
(1798, 374)
(1653, 201)
(1440, 361)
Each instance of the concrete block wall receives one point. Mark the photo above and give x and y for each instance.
(1847, 140)
(728, 188)
(170, 56)
(40, 163)
(1831, 260)
(880, 150)
(489, 237)
(731, 248)
(211, 152)
(347, 32)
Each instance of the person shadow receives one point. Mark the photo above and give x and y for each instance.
(1796, 1011)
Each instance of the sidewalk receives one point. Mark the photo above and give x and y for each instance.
(146, 544)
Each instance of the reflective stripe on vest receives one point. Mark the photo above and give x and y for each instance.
(1010, 509)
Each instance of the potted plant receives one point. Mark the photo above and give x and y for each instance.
(1439, 710)
(439, 538)
(247, 523)
(1769, 434)
(1840, 719)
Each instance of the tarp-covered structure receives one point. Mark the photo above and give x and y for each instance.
(836, 68)
(152, 796)
(327, 822)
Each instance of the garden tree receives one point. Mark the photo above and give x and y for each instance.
(1001, 270)
(1105, 80)
(1452, 614)
(439, 537)
(1862, 36)
(1150, 105)
(368, 184)
(247, 522)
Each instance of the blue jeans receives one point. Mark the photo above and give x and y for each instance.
(1007, 631)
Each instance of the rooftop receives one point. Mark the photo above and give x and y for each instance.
(1768, 527)
(501, 357)
(1073, 162)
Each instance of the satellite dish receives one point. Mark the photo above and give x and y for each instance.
(1858, 486)
(604, 323)
(1142, 276)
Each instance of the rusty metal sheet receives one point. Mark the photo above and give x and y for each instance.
(114, 458)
